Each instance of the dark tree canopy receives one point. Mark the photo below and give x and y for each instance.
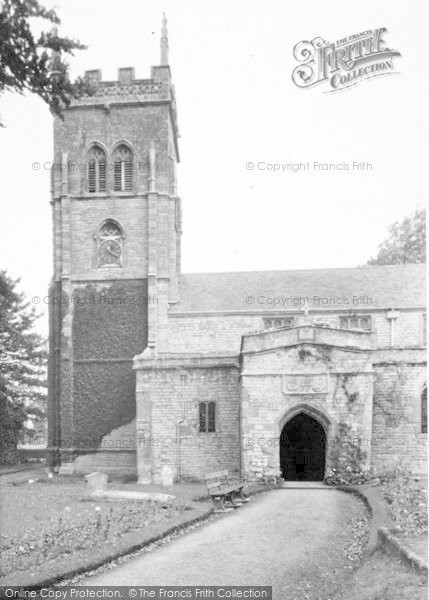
(35, 63)
(406, 242)
(22, 367)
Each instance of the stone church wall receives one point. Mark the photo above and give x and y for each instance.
(92, 382)
(268, 402)
(205, 333)
(210, 333)
(174, 395)
(397, 426)
(137, 125)
(86, 219)
(96, 366)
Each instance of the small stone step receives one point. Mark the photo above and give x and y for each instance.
(306, 485)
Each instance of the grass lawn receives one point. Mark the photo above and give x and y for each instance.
(51, 525)
(382, 577)
(417, 544)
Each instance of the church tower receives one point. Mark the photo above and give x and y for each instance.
(116, 229)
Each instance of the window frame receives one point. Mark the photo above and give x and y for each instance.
(272, 320)
(126, 171)
(359, 318)
(207, 404)
(93, 164)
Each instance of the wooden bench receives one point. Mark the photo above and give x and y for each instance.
(222, 488)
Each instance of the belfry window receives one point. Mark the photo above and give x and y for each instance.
(123, 169)
(96, 170)
(207, 417)
(424, 410)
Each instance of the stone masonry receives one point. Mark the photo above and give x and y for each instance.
(152, 370)
(102, 315)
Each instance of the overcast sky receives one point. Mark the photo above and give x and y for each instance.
(231, 64)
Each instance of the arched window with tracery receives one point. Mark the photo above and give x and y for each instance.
(424, 410)
(123, 169)
(97, 167)
(110, 242)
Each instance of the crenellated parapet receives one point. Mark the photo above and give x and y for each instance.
(158, 87)
(127, 90)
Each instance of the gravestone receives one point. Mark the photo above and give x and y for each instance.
(167, 476)
(96, 482)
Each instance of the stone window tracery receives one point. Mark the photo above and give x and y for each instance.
(122, 169)
(97, 167)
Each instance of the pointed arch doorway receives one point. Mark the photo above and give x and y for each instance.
(303, 449)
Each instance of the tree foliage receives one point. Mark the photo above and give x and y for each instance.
(406, 242)
(22, 367)
(35, 63)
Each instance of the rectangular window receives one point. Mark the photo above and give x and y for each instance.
(207, 417)
(356, 322)
(211, 417)
(278, 323)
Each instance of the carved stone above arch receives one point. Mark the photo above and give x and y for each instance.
(307, 409)
(305, 383)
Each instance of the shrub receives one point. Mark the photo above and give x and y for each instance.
(407, 501)
(348, 459)
(349, 475)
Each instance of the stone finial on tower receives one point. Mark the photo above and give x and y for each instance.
(164, 41)
(55, 65)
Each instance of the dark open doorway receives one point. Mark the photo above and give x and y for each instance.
(303, 449)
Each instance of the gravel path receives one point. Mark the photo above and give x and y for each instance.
(301, 541)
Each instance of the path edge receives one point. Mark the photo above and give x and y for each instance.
(100, 562)
(393, 545)
(382, 533)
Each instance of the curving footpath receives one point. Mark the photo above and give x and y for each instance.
(296, 540)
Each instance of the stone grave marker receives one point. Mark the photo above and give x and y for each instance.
(96, 482)
(167, 476)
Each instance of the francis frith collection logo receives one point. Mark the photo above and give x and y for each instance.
(344, 63)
